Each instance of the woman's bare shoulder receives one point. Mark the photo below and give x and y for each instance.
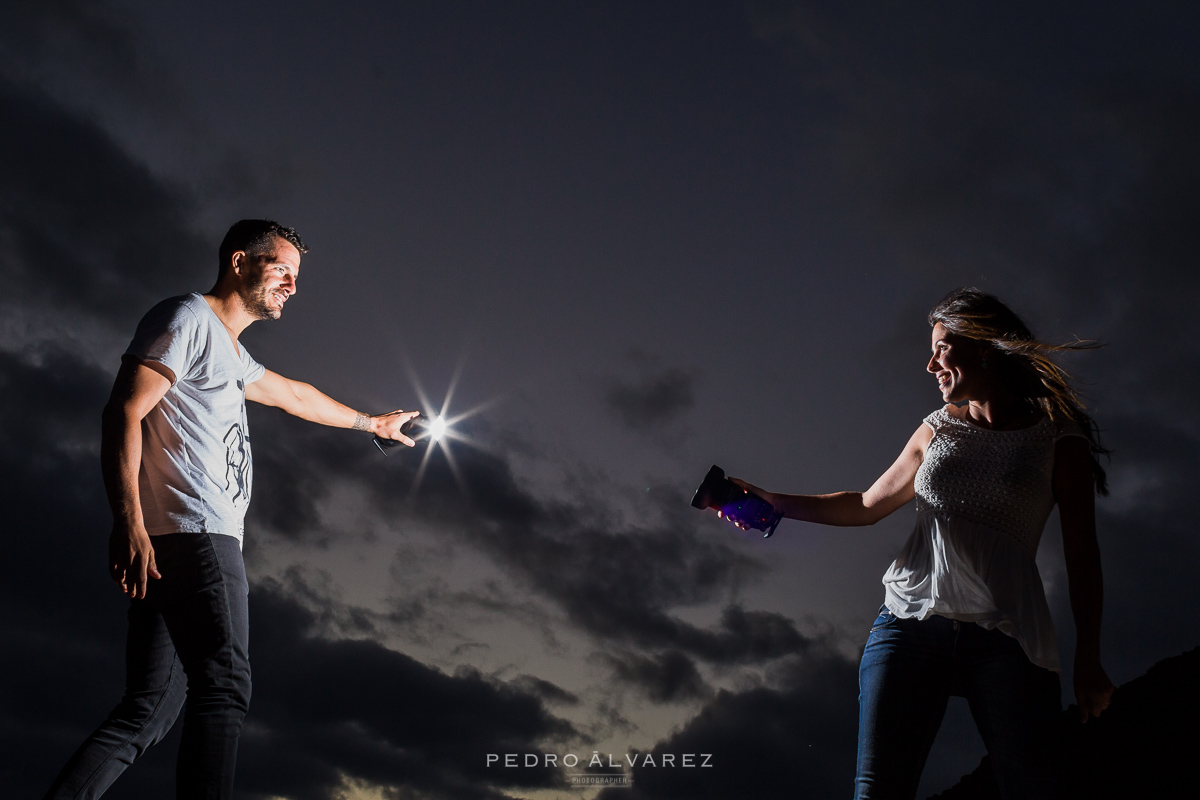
(923, 436)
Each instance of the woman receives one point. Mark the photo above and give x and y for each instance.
(965, 612)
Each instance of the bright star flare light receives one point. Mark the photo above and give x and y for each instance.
(440, 430)
(437, 428)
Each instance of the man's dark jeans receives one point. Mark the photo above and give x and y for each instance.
(187, 646)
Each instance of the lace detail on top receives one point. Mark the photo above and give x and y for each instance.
(1000, 479)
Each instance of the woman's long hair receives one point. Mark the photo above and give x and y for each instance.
(1023, 361)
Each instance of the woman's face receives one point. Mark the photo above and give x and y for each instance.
(957, 365)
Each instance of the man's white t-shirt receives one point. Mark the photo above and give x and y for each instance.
(196, 471)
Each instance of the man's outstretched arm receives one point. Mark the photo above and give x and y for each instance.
(137, 389)
(305, 401)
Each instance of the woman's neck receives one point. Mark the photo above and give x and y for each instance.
(1000, 411)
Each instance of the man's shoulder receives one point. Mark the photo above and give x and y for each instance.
(178, 313)
(171, 324)
(183, 304)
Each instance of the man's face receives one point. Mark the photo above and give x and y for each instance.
(269, 279)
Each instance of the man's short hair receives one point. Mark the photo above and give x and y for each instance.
(255, 237)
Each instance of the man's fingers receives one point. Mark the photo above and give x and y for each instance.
(397, 436)
(131, 562)
(402, 419)
(407, 416)
(117, 572)
(1093, 704)
(141, 567)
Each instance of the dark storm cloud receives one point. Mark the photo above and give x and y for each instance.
(666, 677)
(547, 691)
(795, 740)
(324, 710)
(65, 255)
(1149, 543)
(619, 584)
(651, 400)
(614, 580)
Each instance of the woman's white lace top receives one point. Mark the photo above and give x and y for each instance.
(983, 497)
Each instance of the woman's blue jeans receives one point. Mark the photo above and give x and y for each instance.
(910, 669)
(187, 648)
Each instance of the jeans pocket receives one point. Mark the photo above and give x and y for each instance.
(884, 619)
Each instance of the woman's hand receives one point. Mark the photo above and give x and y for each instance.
(1075, 492)
(1093, 689)
(754, 490)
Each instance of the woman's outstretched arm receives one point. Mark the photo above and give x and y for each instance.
(1075, 492)
(893, 489)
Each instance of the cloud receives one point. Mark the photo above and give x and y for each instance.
(79, 273)
(615, 580)
(547, 691)
(653, 400)
(327, 711)
(795, 739)
(667, 677)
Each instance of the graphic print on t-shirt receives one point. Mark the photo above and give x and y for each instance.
(237, 463)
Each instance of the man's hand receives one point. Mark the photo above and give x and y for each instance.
(1093, 689)
(131, 560)
(138, 388)
(387, 426)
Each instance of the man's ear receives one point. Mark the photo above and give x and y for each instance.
(238, 262)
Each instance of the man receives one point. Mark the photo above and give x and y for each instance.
(175, 453)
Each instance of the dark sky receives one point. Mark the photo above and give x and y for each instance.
(646, 237)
